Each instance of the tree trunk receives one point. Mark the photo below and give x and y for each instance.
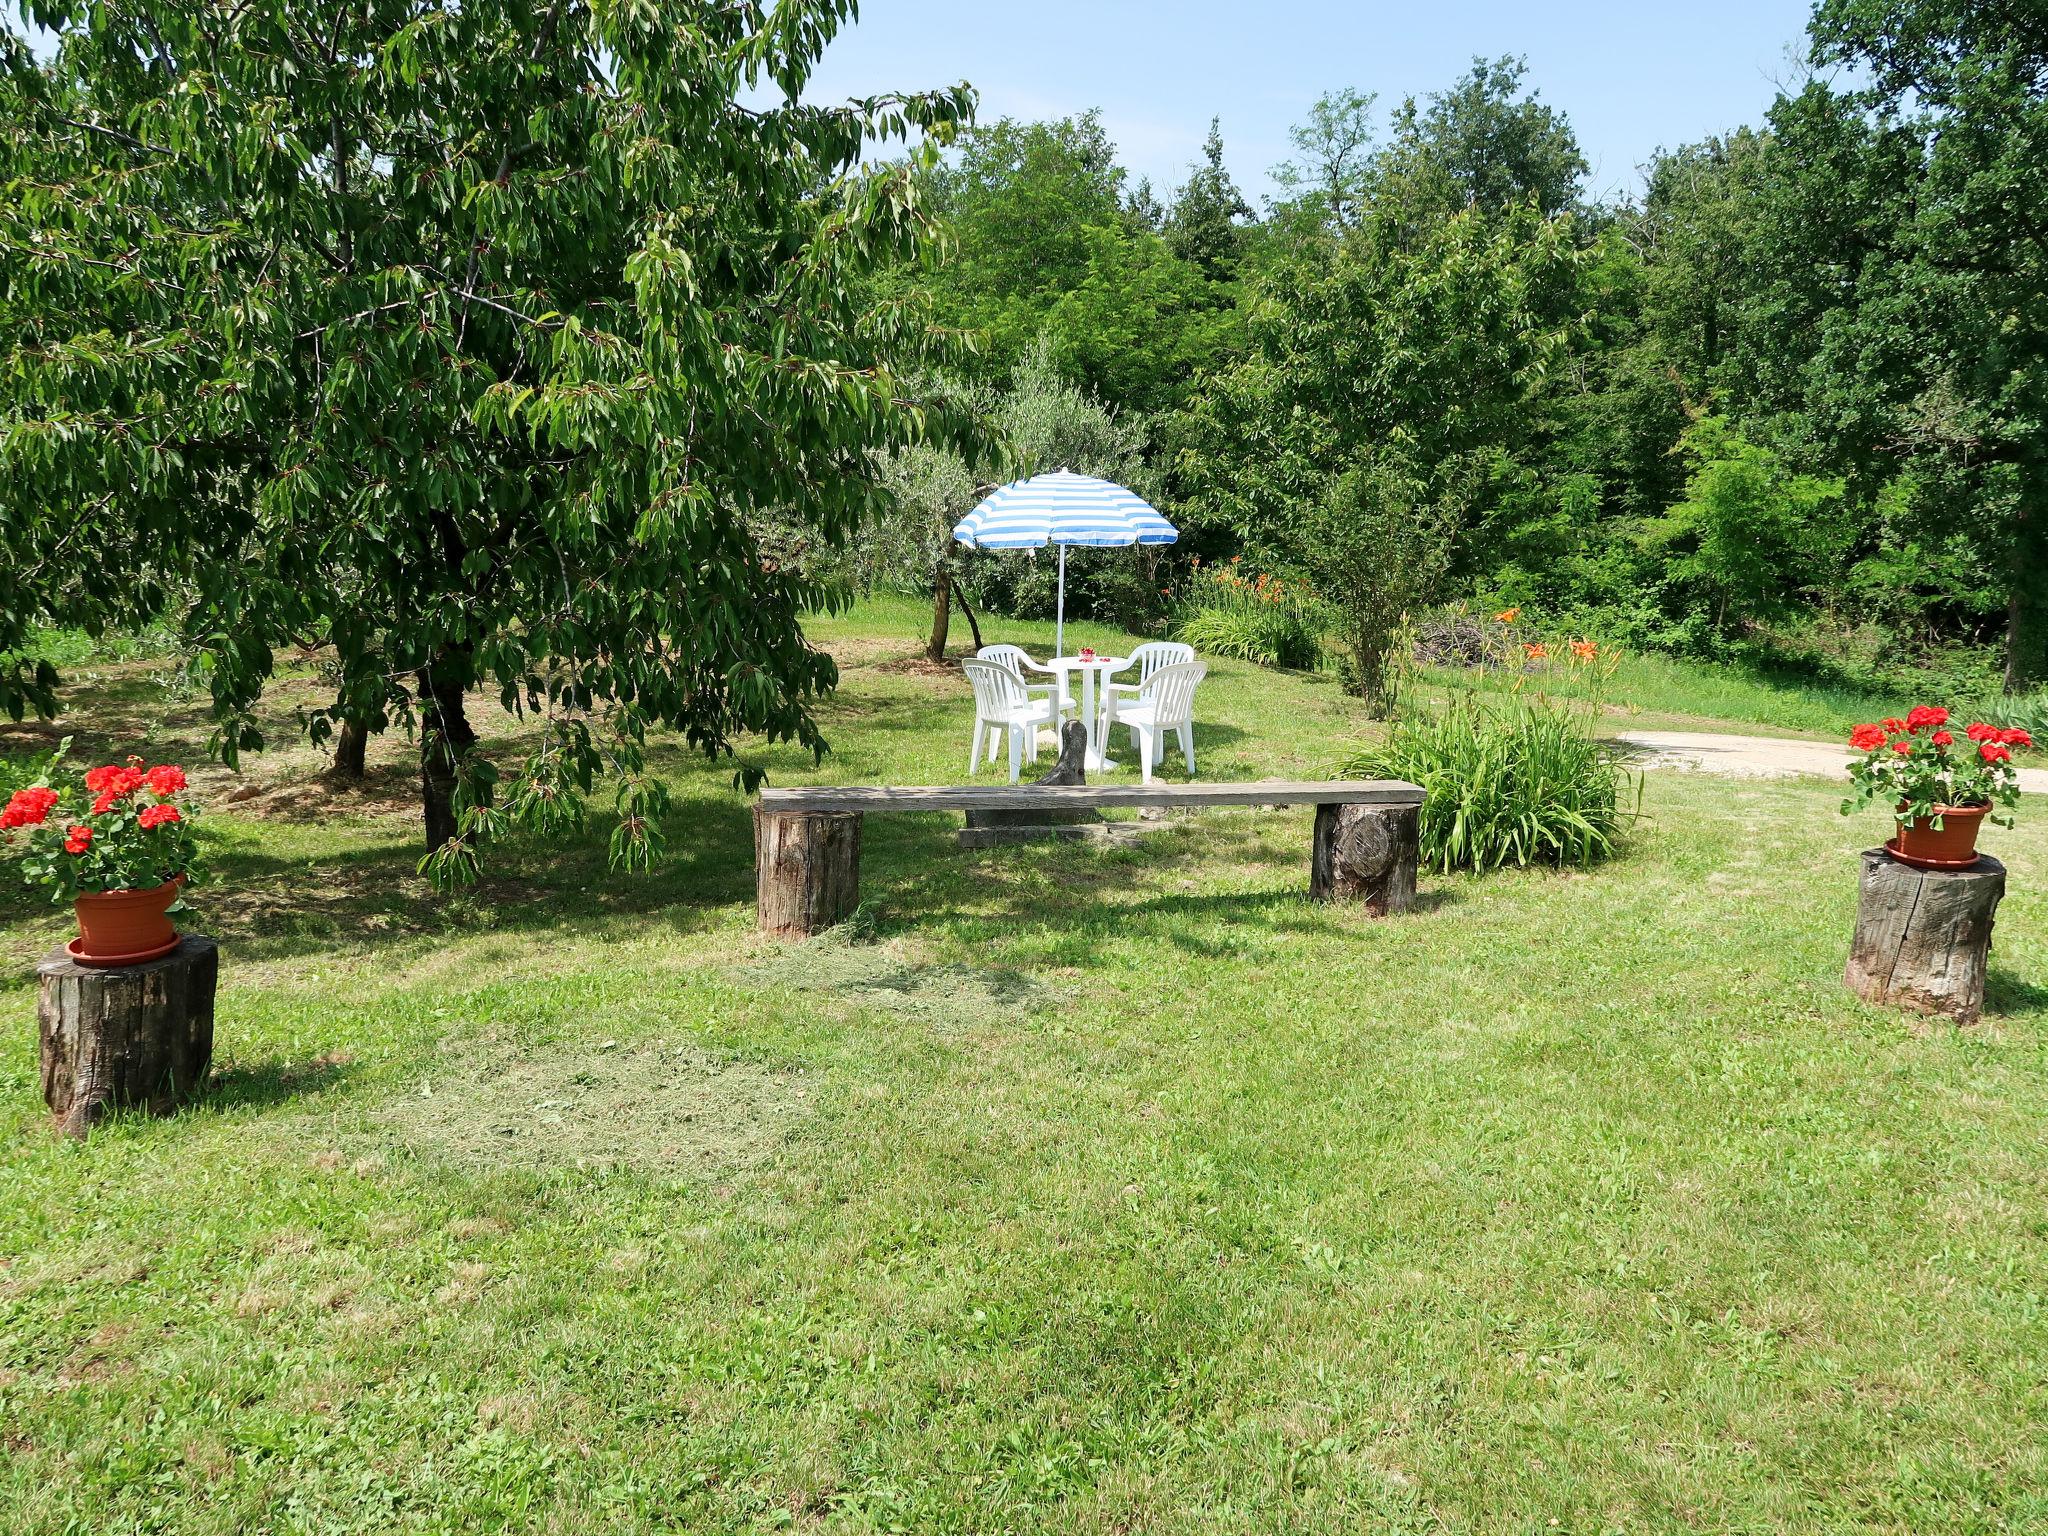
(973, 624)
(1369, 655)
(2025, 606)
(806, 870)
(350, 746)
(1923, 936)
(132, 1035)
(2015, 632)
(942, 611)
(1366, 853)
(445, 740)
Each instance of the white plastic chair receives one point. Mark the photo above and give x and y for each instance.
(1147, 658)
(1165, 702)
(1001, 704)
(1019, 661)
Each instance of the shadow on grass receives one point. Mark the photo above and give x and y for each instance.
(1077, 902)
(259, 1084)
(2012, 995)
(271, 908)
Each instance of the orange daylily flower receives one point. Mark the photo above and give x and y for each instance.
(1585, 650)
(1534, 650)
(1507, 616)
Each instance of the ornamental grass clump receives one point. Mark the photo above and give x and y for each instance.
(124, 827)
(1917, 767)
(1516, 783)
(1221, 612)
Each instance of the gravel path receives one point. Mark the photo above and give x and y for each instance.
(1760, 757)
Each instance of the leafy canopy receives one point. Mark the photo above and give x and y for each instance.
(467, 340)
(1350, 440)
(1043, 243)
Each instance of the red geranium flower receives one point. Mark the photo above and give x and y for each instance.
(1979, 731)
(1895, 725)
(1902, 747)
(1995, 752)
(1942, 739)
(28, 807)
(2016, 738)
(157, 815)
(165, 779)
(76, 839)
(113, 780)
(1867, 738)
(105, 799)
(1925, 714)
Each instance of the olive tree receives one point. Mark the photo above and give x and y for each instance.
(1039, 421)
(467, 340)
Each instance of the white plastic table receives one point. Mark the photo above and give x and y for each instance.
(1090, 668)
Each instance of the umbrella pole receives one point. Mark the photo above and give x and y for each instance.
(1059, 627)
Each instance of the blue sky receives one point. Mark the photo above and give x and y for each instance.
(1631, 74)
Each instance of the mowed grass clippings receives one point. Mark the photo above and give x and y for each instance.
(668, 1111)
(1069, 1190)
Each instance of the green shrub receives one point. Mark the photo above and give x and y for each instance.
(1221, 613)
(1515, 783)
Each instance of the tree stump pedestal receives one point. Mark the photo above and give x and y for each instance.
(1368, 854)
(126, 1036)
(1923, 936)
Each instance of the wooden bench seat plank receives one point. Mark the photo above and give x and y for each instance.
(821, 798)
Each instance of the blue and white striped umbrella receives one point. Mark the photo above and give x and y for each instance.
(1063, 508)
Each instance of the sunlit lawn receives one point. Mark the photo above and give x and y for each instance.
(1101, 1191)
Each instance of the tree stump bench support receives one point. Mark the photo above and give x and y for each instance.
(1366, 853)
(1923, 936)
(807, 841)
(807, 870)
(133, 1036)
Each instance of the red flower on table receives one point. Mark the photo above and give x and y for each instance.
(77, 839)
(157, 815)
(1867, 738)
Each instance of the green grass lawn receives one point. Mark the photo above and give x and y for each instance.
(1091, 1191)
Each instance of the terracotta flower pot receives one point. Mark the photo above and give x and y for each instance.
(1951, 846)
(125, 927)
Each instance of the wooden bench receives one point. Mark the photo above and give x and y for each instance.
(807, 841)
